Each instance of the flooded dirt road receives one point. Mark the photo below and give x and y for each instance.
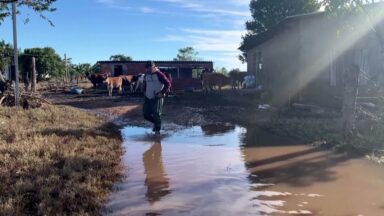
(229, 170)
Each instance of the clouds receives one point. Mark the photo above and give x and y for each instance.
(220, 8)
(147, 10)
(208, 40)
(220, 46)
(213, 28)
(202, 7)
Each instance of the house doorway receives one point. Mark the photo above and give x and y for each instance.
(118, 70)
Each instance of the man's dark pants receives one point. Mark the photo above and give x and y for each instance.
(152, 109)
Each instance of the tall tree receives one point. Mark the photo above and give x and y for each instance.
(186, 54)
(83, 68)
(95, 68)
(120, 57)
(6, 52)
(39, 6)
(268, 13)
(48, 62)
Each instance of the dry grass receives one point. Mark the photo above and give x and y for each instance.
(56, 161)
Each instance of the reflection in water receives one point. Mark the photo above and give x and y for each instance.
(241, 172)
(214, 129)
(256, 137)
(156, 180)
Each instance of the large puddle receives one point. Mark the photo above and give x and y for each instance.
(229, 170)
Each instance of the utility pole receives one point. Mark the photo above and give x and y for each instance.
(15, 55)
(67, 76)
(34, 79)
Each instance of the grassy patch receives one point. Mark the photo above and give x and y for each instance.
(56, 161)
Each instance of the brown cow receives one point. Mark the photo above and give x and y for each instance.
(210, 80)
(114, 82)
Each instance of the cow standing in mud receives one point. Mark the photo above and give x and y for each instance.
(127, 82)
(96, 78)
(114, 82)
(211, 80)
(237, 78)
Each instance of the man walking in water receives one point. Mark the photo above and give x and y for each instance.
(156, 84)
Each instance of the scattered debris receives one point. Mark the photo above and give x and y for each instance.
(27, 100)
(77, 90)
(264, 106)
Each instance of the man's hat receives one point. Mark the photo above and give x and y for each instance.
(149, 64)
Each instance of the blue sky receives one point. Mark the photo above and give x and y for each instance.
(92, 30)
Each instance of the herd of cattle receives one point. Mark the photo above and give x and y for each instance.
(134, 83)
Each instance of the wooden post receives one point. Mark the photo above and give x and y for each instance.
(34, 79)
(66, 71)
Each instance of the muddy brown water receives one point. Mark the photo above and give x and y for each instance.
(230, 170)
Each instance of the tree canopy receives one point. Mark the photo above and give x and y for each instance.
(48, 62)
(6, 52)
(186, 54)
(120, 57)
(266, 14)
(39, 6)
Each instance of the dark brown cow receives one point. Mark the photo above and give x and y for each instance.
(237, 78)
(97, 78)
(211, 80)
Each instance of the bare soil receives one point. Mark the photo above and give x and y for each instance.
(182, 108)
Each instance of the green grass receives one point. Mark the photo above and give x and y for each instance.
(56, 161)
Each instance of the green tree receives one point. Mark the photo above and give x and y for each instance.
(120, 57)
(268, 13)
(96, 68)
(368, 11)
(222, 70)
(48, 62)
(6, 53)
(39, 6)
(186, 54)
(83, 68)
